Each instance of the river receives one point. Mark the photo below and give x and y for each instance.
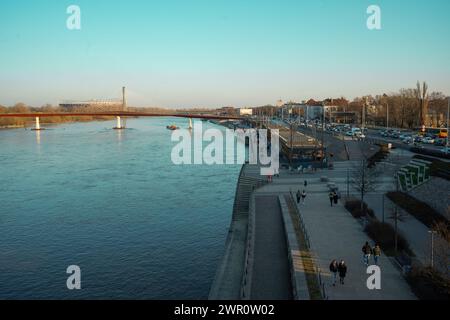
(112, 203)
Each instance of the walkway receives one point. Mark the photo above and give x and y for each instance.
(335, 234)
(271, 273)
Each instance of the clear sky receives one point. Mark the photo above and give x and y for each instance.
(212, 53)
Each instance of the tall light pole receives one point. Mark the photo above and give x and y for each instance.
(387, 115)
(432, 233)
(385, 96)
(323, 132)
(363, 120)
(448, 112)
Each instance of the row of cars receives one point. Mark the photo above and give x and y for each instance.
(416, 139)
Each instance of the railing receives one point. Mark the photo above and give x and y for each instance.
(301, 222)
(318, 271)
(241, 172)
(248, 264)
(249, 250)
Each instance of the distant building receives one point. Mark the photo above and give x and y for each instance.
(227, 111)
(92, 104)
(246, 112)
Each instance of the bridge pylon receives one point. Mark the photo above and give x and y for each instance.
(119, 125)
(38, 125)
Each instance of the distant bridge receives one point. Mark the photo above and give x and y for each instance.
(117, 114)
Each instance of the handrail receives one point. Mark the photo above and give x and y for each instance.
(248, 264)
(237, 190)
(302, 225)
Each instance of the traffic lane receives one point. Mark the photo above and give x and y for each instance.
(399, 143)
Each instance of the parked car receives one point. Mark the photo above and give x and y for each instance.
(428, 140)
(408, 140)
(440, 142)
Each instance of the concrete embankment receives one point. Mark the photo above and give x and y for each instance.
(227, 284)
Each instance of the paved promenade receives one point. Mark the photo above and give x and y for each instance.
(271, 275)
(335, 234)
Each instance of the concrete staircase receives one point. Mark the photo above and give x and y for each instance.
(249, 180)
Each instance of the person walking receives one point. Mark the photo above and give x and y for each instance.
(334, 266)
(331, 198)
(376, 253)
(303, 196)
(305, 183)
(335, 198)
(298, 196)
(367, 251)
(342, 268)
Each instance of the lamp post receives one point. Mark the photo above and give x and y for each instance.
(387, 116)
(448, 111)
(385, 96)
(432, 233)
(323, 132)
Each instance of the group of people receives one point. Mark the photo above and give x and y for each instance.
(369, 251)
(301, 196)
(338, 268)
(334, 197)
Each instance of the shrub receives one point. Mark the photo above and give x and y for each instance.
(354, 207)
(427, 284)
(384, 235)
(378, 157)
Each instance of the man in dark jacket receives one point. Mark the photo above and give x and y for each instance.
(334, 270)
(342, 268)
(367, 251)
(335, 198)
(331, 198)
(376, 253)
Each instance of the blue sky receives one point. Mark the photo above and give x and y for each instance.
(186, 53)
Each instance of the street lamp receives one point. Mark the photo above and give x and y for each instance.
(448, 111)
(432, 233)
(387, 111)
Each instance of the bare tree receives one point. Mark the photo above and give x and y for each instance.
(363, 179)
(422, 99)
(397, 215)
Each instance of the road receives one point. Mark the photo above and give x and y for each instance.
(374, 134)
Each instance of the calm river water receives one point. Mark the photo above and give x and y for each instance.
(112, 203)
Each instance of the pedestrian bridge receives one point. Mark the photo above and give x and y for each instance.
(118, 114)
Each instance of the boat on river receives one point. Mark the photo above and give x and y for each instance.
(172, 127)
